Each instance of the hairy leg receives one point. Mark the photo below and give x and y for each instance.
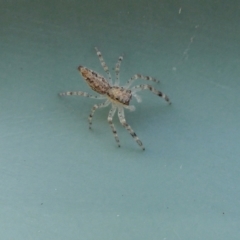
(139, 76)
(148, 87)
(94, 108)
(104, 65)
(80, 93)
(128, 127)
(114, 131)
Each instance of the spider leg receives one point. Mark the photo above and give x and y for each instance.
(104, 65)
(80, 93)
(138, 98)
(155, 91)
(117, 70)
(114, 131)
(128, 127)
(94, 108)
(139, 76)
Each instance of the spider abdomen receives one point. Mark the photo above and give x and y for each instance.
(119, 95)
(97, 82)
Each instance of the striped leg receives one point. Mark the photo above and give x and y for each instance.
(94, 108)
(117, 70)
(155, 91)
(114, 131)
(79, 93)
(139, 76)
(104, 65)
(128, 127)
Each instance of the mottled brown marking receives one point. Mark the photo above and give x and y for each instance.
(97, 82)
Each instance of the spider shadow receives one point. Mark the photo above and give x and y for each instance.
(145, 112)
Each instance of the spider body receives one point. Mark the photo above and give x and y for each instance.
(100, 85)
(118, 96)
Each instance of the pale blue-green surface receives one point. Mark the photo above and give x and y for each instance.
(58, 180)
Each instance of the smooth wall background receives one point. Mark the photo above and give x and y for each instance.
(59, 180)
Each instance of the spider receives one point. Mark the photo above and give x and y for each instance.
(118, 96)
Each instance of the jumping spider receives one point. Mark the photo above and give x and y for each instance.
(119, 97)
